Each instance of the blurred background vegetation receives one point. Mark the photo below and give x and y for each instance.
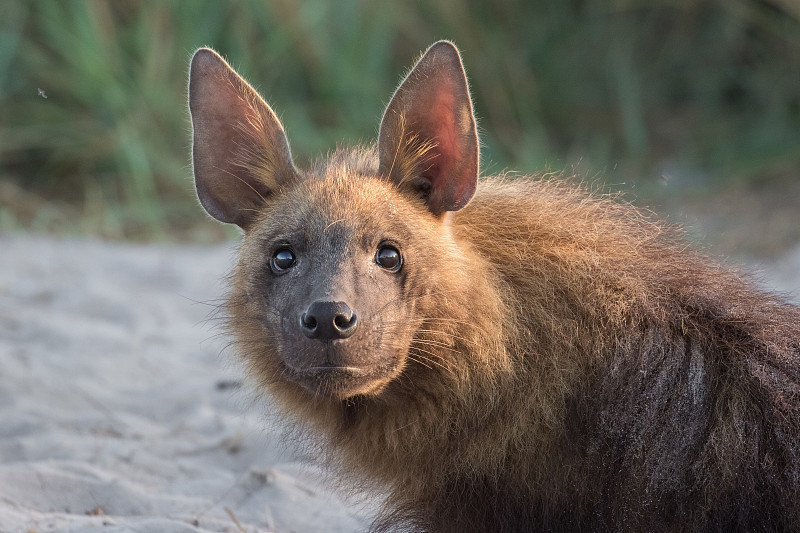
(675, 99)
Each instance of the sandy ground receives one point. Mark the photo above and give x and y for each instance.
(117, 409)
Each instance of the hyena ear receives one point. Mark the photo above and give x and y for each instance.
(428, 141)
(239, 152)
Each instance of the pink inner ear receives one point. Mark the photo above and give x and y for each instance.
(444, 122)
(439, 125)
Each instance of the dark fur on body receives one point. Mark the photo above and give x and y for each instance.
(546, 359)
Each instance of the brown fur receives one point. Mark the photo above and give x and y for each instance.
(556, 359)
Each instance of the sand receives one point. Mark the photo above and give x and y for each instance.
(121, 411)
(119, 407)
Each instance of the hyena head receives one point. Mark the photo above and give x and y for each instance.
(339, 261)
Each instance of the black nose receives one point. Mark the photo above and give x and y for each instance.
(328, 321)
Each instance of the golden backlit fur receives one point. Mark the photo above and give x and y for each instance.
(552, 359)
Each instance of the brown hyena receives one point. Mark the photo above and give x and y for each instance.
(495, 354)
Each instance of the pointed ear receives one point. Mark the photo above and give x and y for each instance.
(239, 151)
(428, 141)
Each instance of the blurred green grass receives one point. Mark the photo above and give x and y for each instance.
(697, 94)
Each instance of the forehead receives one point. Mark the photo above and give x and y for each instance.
(337, 206)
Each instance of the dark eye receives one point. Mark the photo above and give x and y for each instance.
(389, 258)
(282, 260)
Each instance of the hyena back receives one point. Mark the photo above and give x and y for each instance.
(495, 355)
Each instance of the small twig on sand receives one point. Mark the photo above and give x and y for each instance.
(235, 521)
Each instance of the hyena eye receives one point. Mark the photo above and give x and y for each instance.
(389, 258)
(282, 260)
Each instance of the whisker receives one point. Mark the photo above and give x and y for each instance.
(435, 345)
(417, 351)
(408, 300)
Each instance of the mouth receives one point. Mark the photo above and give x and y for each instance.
(325, 371)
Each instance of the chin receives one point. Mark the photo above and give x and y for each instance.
(339, 383)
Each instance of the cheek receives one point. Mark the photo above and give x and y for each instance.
(395, 321)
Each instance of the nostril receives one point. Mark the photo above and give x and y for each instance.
(308, 321)
(341, 321)
(346, 325)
